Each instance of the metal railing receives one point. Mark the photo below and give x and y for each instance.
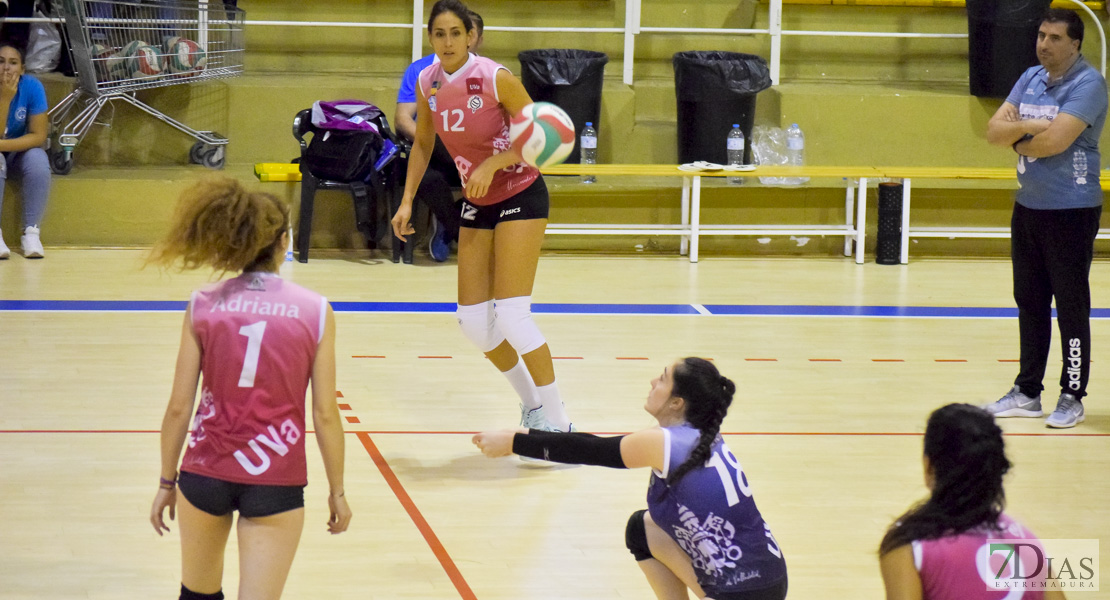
(632, 28)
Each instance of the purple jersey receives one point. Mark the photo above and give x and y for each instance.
(710, 513)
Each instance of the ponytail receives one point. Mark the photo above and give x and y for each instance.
(708, 395)
(968, 457)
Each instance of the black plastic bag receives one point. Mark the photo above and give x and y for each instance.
(570, 79)
(698, 70)
(715, 90)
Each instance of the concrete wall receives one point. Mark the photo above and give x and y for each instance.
(860, 101)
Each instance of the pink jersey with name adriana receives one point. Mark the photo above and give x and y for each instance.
(258, 337)
(472, 123)
(962, 567)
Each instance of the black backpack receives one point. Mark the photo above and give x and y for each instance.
(342, 155)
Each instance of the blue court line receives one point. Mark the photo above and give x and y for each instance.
(748, 310)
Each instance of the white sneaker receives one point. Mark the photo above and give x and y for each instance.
(1069, 413)
(4, 252)
(32, 246)
(1015, 404)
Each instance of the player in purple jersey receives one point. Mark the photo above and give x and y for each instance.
(939, 549)
(702, 531)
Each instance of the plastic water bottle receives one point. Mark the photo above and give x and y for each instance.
(735, 149)
(796, 152)
(589, 150)
(289, 249)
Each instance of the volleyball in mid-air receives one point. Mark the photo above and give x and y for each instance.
(543, 133)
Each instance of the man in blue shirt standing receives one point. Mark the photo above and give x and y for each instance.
(1053, 119)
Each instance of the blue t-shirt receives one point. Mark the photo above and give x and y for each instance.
(710, 513)
(407, 93)
(29, 100)
(1069, 179)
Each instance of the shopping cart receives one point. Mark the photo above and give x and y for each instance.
(121, 47)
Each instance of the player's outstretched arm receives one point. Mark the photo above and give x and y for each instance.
(175, 423)
(640, 449)
(329, 429)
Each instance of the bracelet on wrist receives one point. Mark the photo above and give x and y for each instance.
(167, 484)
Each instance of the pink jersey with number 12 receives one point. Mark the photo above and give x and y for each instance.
(472, 123)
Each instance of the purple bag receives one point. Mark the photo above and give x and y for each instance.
(348, 115)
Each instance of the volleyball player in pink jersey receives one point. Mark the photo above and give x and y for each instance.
(939, 549)
(258, 340)
(467, 100)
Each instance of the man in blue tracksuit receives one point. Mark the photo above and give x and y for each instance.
(1053, 119)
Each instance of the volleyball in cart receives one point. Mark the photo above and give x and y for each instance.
(120, 48)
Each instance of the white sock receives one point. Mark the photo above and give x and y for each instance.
(521, 381)
(553, 407)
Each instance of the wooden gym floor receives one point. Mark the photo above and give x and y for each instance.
(837, 365)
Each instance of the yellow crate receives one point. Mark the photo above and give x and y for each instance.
(277, 172)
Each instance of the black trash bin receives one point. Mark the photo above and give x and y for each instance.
(714, 91)
(572, 80)
(1001, 43)
(888, 248)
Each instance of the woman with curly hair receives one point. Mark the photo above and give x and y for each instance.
(258, 341)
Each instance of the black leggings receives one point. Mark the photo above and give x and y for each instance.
(1051, 252)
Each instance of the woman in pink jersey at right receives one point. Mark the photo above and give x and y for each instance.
(258, 341)
(939, 549)
(467, 100)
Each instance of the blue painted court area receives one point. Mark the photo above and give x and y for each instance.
(733, 310)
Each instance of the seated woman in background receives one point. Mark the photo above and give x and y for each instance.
(938, 550)
(23, 109)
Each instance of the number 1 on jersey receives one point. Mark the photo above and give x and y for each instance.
(254, 333)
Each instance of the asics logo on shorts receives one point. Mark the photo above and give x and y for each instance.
(469, 212)
(510, 211)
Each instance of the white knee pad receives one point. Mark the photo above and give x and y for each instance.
(477, 324)
(514, 319)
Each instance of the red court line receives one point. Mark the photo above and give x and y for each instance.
(761, 359)
(567, 358)
(367, 356)
(434, 357)
(414, 513)
(338, 394)
(353, 420)
(344, 407)
(824, 360)
(362, 432)
(887, 360)
(1009, 360)
(951, 360)
(632, 358)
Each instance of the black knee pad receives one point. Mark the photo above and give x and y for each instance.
(187, 594)
(635, 536)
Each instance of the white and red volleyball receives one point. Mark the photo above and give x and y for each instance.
(142, 60)
(543, 133)
(185, 56)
